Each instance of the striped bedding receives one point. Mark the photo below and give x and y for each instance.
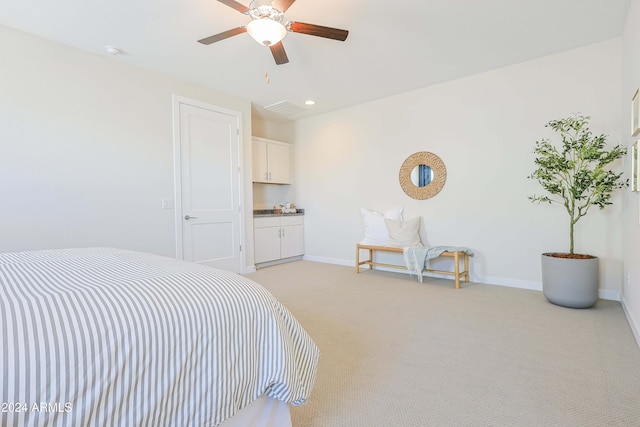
(107, 337)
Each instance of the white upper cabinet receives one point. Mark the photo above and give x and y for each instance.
(271, 161)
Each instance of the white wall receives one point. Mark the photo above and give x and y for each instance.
(86, 147)
(484, 128)
(631, 218)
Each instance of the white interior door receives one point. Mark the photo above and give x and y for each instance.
(208, 185)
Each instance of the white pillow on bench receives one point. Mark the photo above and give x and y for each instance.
(404, 233)
(375, 229)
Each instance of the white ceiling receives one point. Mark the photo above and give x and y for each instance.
(392, 47)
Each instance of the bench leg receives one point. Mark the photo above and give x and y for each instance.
(466, 267)
(456, 260)
(358, 263)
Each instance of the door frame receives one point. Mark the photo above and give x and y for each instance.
(177, 171)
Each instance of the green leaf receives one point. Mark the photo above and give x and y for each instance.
(576, 174)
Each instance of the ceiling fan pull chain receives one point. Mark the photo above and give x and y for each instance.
(266, 67)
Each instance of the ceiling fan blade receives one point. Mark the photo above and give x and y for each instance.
(278, 53)
(282, 5)
(222, 36)
(234, 4)
(319, 31)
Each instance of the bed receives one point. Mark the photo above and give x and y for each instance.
(109, 337)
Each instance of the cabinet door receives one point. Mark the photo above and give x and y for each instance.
(279, 162)
(292, 241)
(266, 244)
(259, 154)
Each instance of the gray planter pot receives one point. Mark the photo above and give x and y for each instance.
(570, 282)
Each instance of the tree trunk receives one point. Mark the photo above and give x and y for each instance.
(572, 222)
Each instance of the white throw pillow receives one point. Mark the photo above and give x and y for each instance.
(375, 230)
(405, 233)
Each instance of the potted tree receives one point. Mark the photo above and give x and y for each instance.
(575, 176)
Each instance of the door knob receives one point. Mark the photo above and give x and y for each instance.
(187, 217)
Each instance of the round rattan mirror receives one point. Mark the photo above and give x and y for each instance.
(422, 161)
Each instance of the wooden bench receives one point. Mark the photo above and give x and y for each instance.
(456, 273)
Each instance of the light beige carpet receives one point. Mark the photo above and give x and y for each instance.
(399, 353)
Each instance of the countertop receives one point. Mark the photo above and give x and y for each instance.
(270, 212)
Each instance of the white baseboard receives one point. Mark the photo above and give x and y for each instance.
(610, 295)
(633, 323)
(325, 260)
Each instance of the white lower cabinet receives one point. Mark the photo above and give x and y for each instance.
(278, 237)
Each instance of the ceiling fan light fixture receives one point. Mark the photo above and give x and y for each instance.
(266, 31)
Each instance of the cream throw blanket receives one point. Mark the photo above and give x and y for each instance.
(417, 257)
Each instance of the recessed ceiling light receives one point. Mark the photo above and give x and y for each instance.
(310, 102)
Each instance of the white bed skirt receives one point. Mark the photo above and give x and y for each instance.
(265, 411)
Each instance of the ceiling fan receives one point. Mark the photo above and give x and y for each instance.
(268, 28)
